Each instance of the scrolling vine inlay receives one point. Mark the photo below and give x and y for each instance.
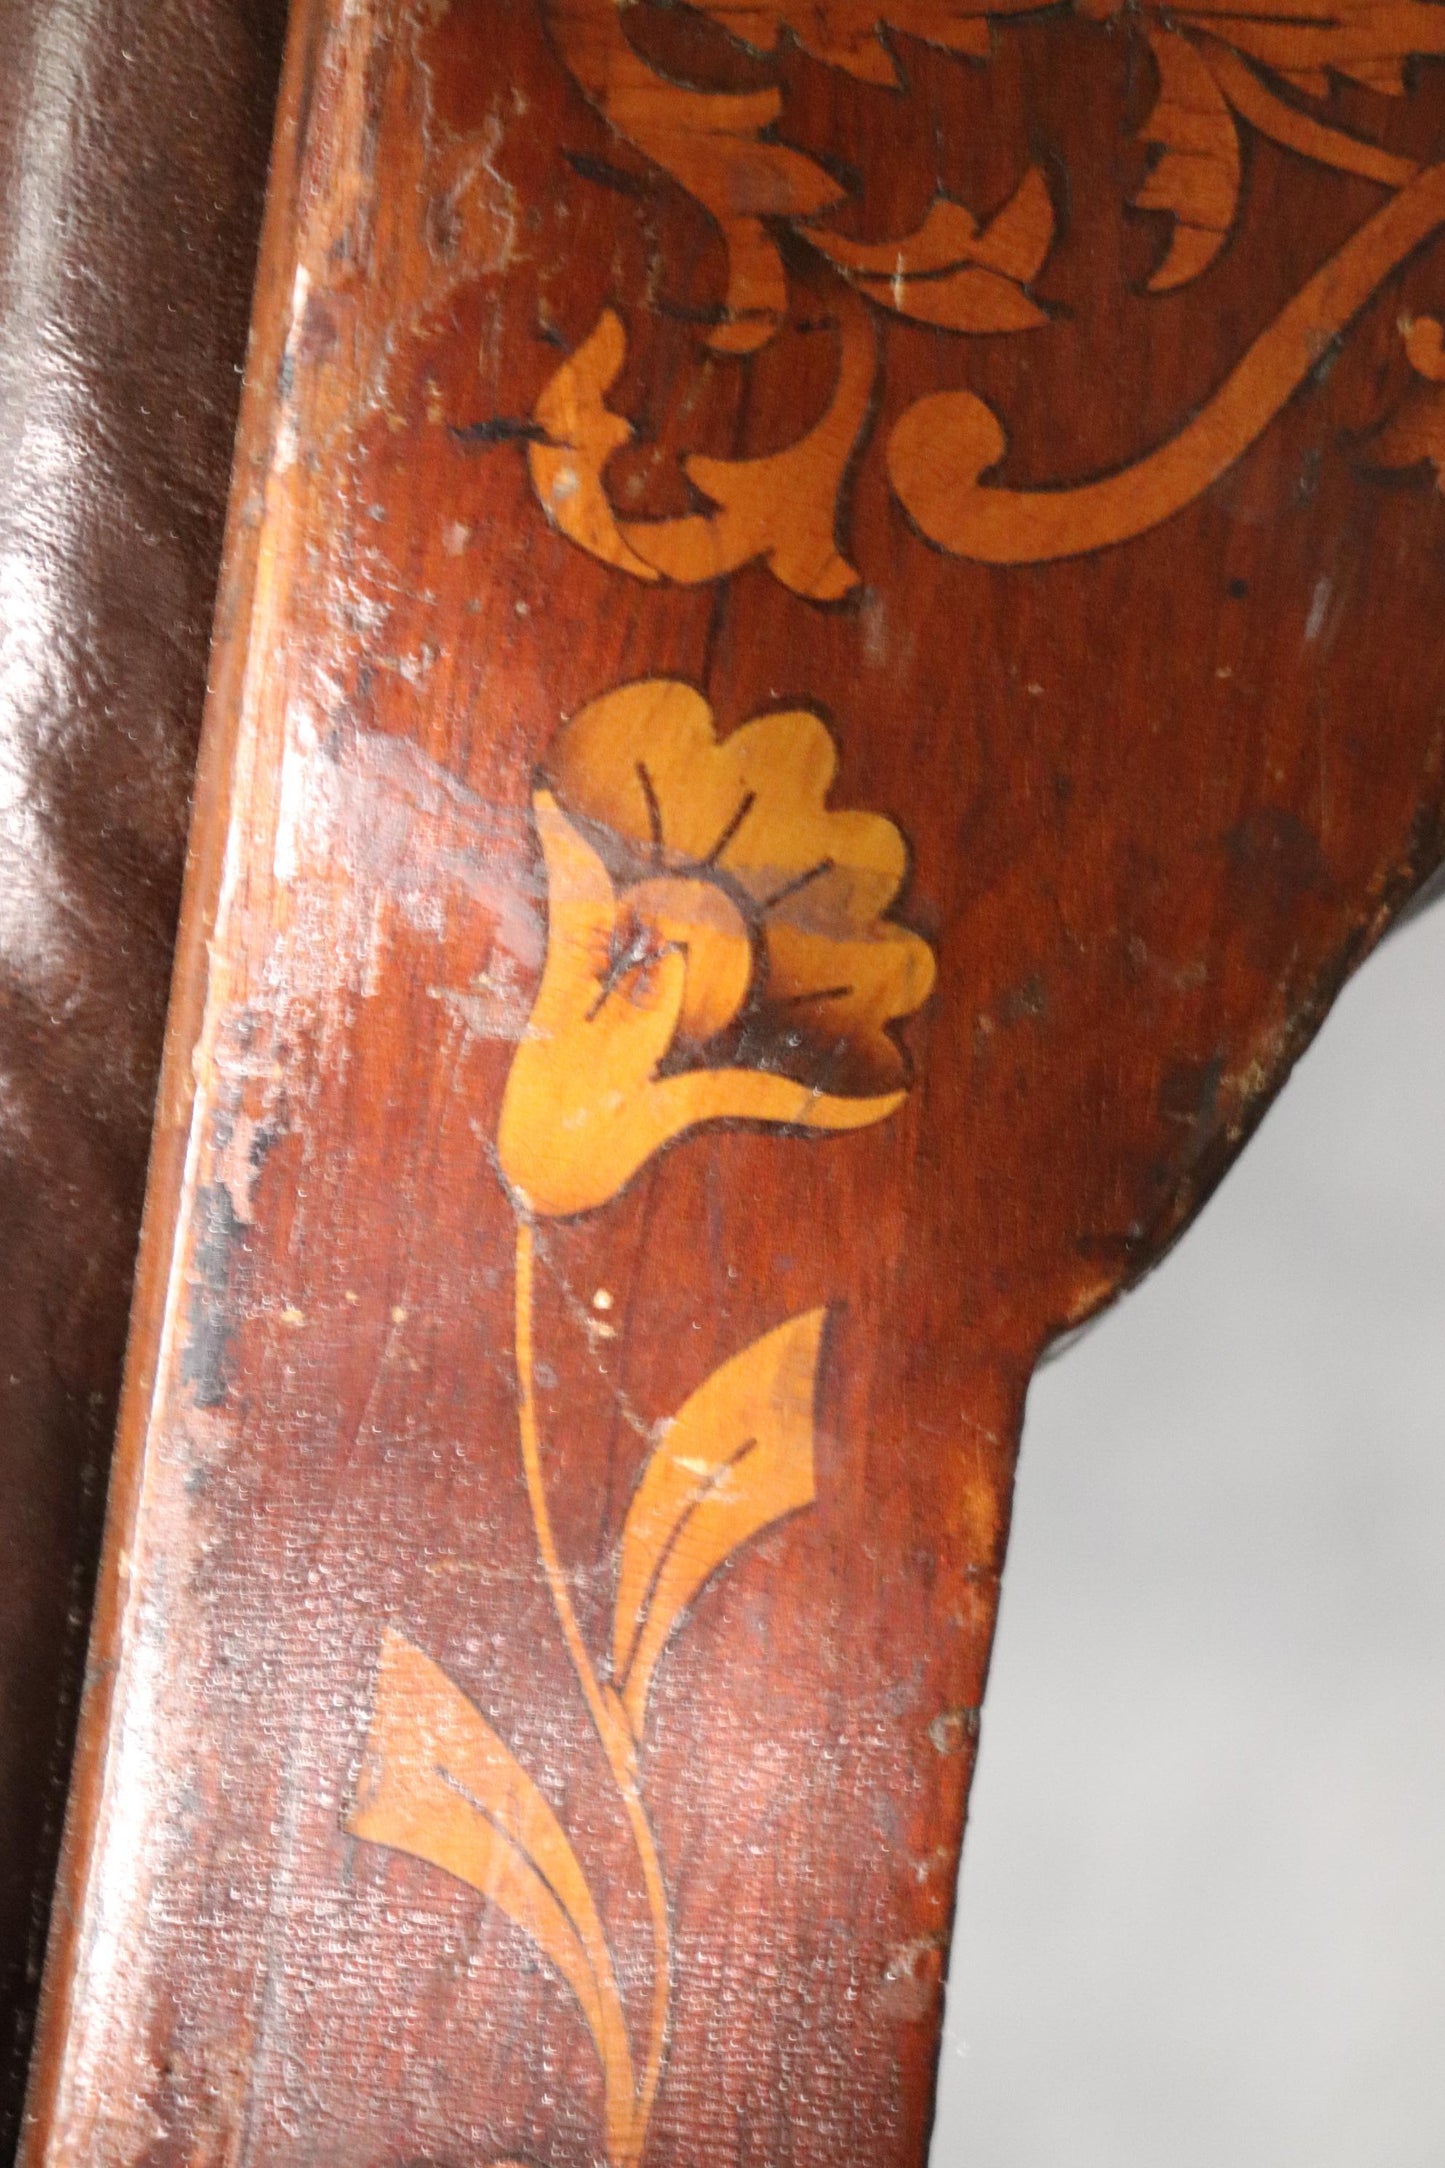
(1222, 68)
(718, 949)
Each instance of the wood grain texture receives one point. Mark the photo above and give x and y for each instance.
(534, 1703)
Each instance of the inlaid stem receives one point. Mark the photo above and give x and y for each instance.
(608, 1716)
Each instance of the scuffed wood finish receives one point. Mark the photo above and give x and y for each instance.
(719, 925)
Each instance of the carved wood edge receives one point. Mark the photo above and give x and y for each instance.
(170, 1176)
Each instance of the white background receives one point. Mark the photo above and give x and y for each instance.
(1202, 1917)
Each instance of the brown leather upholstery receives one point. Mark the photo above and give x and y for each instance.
(133, 140)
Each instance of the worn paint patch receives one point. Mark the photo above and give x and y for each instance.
(210, 1318)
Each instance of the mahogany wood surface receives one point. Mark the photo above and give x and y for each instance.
(691, 979)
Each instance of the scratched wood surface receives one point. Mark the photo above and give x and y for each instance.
(830, 652)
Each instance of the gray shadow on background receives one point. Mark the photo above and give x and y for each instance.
(1202, 1916)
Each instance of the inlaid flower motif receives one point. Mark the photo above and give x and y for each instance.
(717, 945)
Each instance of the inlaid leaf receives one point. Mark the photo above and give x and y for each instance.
(1197, 179)
(1303, 42)
(1014, 242)
(953, 273)
(849, 34)
(781, 506)
(1414, 433)
(737, 1458)
(438, 1783)
(580, 435)
(968, 299)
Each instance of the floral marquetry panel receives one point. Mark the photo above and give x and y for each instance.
(829, 654)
